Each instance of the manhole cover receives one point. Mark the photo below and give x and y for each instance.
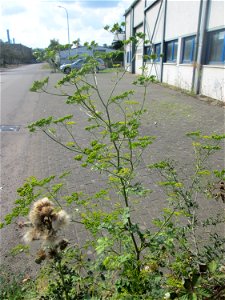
(9, 128)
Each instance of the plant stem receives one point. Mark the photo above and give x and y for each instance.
(62, 279)
(129, 221)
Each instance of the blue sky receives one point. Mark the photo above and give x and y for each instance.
(34, 23)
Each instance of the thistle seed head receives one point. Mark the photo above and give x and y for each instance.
(45, 222)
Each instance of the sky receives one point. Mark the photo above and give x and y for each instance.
(34, 23)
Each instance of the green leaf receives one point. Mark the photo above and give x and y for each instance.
(62, 119)
(204, 172)
(103, 243)
(194, 134)
(125, 216)
(39, 85)
(212, 266)
(194, 296)
(220, 174)
(66, 173)
(122, 96)
(160, 165)
(114, 136)
(70, 123)
(42, 123)
(78, 157)
(57, 187)
(70, 144)
(210, 147)
(218, 137)
(19, 248)
(184, 297)
(196, 279)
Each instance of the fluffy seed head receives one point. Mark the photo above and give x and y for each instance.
(60, 220)
(42, 209)
(31, 235)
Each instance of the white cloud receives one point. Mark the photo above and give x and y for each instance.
(34, 23)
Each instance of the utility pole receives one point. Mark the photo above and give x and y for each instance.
(68, 28)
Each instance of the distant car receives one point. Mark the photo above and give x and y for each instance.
(67, 68)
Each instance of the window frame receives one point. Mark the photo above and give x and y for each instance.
(193, 45)
(210, 45)
(173, 42)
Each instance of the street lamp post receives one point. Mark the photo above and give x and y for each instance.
(68, 28)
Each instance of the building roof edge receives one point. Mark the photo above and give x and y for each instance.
(130, 8)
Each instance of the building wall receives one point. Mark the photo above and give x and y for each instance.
(139, 54)
(128, 48)
(128, 31)
(151, 17)
(216, 15)
(181, 25)
(180, 76)
(181, 18)
(139, 13)
(212, 83)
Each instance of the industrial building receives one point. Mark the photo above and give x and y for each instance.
(15, 54)
(187, 39)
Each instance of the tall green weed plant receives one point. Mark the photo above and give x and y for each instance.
(169, 260)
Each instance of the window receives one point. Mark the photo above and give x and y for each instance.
(188, 49)
(171, 51)
(156, 49)
(147, 52)
(216, 47)
(128, 57)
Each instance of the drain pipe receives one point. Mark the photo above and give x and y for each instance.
(133, 56)
(144, 29)
(163, 40)
(200, 45)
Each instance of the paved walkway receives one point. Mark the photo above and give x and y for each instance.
(170, 115)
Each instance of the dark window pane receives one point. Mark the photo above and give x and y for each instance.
(147, 52)
(158, 51)
(216, 46)
(128, 57)
(175, 50)
(169, 51)
(188, 49)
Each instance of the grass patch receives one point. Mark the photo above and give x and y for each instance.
(46, 66)
(112, 70)
(16, 286)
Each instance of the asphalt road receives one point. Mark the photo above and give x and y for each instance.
(24, 154)
(18, 107)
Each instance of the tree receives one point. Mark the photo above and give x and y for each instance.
(54, 45)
